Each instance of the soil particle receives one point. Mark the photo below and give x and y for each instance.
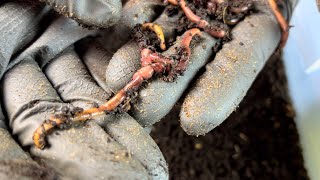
(258, 141)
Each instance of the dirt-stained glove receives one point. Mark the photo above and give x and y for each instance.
(45, 75)
(218, 89)
(215, 94)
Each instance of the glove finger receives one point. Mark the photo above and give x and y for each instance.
(80, 89)
(133, 12)
(96, 59)
(9, 149)
(73, 82)
(122, 65)
(126, 60)
(11, 155)
(19, 20)
(128, 132)
(15, 163)
(220, 89)
(158, 97)
(77, 153)
(62, 33)
(19, 24)
(96, 13)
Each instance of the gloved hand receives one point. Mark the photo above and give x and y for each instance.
(213, 98)
(217, 89)
(45, 75)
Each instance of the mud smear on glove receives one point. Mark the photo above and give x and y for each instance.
(258, 141)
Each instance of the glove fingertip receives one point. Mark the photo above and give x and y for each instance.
(103, 15)
(95, 13)
(229, 76)
(197, 120)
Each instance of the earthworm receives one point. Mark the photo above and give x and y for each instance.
(152, 62)
(47, 125)
(228, 21)
(157, 29)
(241, 9)
(154, 102)
(116, 74)
(201, 23)
(282, 22)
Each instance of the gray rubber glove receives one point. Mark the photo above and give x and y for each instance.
(14, 162)
(218, 90)
(226, 80)
(93, 13)
(48, 77)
